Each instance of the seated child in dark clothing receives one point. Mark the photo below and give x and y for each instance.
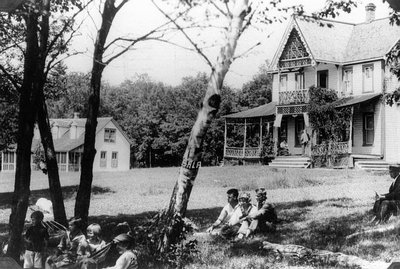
(36, 238)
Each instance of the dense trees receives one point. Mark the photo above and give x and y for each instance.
(156, 117)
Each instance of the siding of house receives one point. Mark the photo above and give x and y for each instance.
(392, 134)
(358, 78)
(121, 146)
(275, 88)
(358, 147)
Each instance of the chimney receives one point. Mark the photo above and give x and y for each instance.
(76, 115)
(73, 130)
(370, 12)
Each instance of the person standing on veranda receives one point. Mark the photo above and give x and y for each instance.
(304, 140)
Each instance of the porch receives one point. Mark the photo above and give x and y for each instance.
(248, 134)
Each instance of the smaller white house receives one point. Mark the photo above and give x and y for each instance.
(112, 146)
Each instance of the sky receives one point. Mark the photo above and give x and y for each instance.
(169, 64)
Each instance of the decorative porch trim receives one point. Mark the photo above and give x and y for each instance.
(292, 110)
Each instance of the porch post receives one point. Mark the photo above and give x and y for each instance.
(339, 90)
(245, 137)
(225, 132)
(316, 76)
(67, 157)
(351, 131)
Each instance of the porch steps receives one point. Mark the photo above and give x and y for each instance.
(290, 162)
(372, 165)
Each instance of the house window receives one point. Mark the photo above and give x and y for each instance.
(322, 77)
(368, 129)
(74, 159)
(299, 77)
(114, 159)
(368, 78)
(8, 160)
(299, 126)
(348, 81)
(103, 159)
(283, 83)
(62, 160)
(109, 135)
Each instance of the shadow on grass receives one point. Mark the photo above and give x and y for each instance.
(69, 192)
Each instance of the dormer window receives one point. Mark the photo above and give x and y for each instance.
(109, 135)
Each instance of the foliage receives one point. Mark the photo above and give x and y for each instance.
(257, 91)
(71, 95)
(8, 114)
(148, 236)
(330, 122)
(392, 97)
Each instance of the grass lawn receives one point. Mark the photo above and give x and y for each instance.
(318, 208)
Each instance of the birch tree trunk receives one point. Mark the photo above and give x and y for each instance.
(210, 106)
(26, 119)
(82, 203)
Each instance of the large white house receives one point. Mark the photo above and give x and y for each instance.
(346, 57)
(112, 146)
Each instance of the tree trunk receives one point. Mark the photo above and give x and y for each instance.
(83, 196)
(324, 257)
(44, 125)
(193, 154)
(51, 162)
(26, 120)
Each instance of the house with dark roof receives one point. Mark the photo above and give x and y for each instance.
(112, 146)
(346, 57)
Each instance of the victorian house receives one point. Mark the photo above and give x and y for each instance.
(350, 59)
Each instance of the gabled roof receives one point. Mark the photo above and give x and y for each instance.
(340, 42)
(261, 111)
(65, 143)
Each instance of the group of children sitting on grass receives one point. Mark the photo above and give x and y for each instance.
(240, 218)
(75, 250)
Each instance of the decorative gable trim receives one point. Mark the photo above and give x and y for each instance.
(292, 29)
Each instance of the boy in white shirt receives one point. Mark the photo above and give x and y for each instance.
(225, 217)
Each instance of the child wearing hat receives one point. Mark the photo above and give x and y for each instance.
(128, 259)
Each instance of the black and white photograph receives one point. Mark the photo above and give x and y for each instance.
(190, 134)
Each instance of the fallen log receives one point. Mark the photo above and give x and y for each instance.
(320, 256)
(385, 229)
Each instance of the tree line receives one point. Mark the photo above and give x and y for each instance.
(156, 117)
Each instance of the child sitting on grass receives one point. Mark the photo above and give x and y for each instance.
(72, 248)
(36, 238)
(128, 259)
(95, 243)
